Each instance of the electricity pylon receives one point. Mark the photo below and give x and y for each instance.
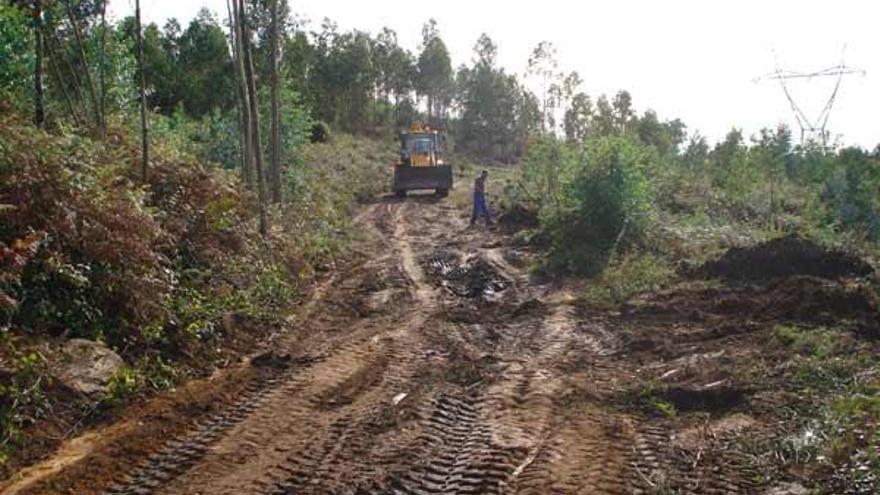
(811, 129)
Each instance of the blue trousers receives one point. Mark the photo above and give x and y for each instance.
(481, 208)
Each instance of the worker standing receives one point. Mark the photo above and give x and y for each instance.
(480, 206)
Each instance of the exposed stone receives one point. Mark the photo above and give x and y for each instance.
(87, 366)
(787, 489)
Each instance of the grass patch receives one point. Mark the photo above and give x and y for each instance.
(631, 275)
(818, 342)
(649, 399)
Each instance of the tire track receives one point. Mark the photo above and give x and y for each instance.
(316, 404)
(457, 453)
(179, 454)
(323, 443)
(509, 399)
(352, 365)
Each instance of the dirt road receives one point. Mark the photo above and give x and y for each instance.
(438, 365)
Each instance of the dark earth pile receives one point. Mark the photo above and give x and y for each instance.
(783, 257)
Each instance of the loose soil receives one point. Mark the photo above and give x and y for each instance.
(783, 257)
(439, 365)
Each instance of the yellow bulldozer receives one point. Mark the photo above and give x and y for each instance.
(422, 163)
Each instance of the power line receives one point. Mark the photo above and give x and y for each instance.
(811, 128)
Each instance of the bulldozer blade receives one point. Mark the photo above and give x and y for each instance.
(408, 178)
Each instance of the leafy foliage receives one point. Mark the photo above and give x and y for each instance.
(593, 198)
(96, 271)
(15, 44)
(621, 181)
(498, 113)
(22, 396)
(634, 273)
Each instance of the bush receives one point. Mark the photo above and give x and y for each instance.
(322, 187)
(17, 62)
(86, 251)
(319, 133)
(95, 270)
(852, 191)
(605, 201)
(22, 395)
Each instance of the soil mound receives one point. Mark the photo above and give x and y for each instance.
(811, 299)
(784, 257)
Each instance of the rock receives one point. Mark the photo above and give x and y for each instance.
(87, 366)
(787, 489)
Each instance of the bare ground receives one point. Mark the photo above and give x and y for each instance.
(439, 365)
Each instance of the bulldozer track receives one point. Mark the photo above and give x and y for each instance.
(177, 455)
(458, 454)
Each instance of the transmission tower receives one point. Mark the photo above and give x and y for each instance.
(811, 128)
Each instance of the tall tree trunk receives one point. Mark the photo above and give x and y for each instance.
(59, 80)
(275, 167)
(145, 141)
(102, 71)
(244, 112)
(82, 54)
(57, 53)
(39, 101)
(254, 110)
(430, 107)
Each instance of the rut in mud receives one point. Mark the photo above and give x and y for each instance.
(439, 366)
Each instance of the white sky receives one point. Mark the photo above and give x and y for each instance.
(692, 59)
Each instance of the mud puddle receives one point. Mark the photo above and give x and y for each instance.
(469, 276)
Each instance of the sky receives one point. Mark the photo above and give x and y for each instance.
(697, 60)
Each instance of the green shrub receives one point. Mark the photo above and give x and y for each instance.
(852, 192)
(123, 385)
(22, 395)
(96, 270)
(605, 201)
(323, 187)
(157, 372)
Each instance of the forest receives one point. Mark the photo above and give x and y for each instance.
(174, 192)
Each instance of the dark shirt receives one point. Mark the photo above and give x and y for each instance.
(480, 185)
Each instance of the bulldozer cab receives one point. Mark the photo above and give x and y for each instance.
(422, 165)
(421, 147)
(422, 151)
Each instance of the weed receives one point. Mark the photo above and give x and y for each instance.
(157, 372)
(810, 342)
(633, 274)
(665, 408)
(649, 398)
(124, 384)
(22, 398)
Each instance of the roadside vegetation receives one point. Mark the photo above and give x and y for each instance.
(171, 274)
(638, 208)
(636, 191)
(185, 261)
